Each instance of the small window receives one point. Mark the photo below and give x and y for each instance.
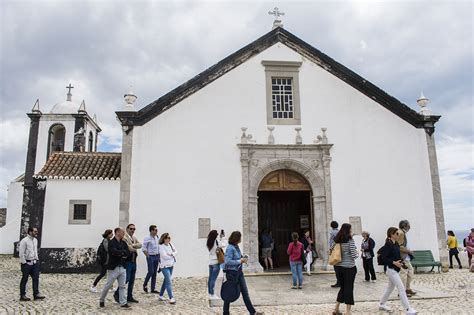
(80, 211)
(282, 85)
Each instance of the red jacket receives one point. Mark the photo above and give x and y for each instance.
(294, 251)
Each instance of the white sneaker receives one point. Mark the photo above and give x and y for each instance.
(384, 307)
(213, 297)
(93, 289)
(161, 298)
(411, 311)
(172, 301)
(373, 281)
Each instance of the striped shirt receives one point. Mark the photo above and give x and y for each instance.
(348, 254)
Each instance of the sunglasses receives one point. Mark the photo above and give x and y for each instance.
(132, 229)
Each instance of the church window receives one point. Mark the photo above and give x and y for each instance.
(282, 87)
(91, 141)
(80, 211)
(56, 138)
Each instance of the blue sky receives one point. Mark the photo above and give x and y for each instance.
(102, 47)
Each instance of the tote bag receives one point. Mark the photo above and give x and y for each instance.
(335, 255)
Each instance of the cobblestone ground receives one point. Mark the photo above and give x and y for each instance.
(69, 293)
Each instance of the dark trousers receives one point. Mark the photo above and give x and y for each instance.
(33, 271)
(337, 279)
(152, 263)
(453, 252)
(369, 268)
(346, 278)
(131, 270)
(103, 272)
(243, 289)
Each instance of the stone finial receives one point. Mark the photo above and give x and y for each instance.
(271, 138)
(423, 102)
(299, 139)
(318, 139)
(95, 118)
(243, 138)
(82, 107)
(324, 137)
(36, 107)
(130, 99)
(69, 95)
(277, 13)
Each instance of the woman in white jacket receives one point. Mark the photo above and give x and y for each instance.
(167, 260)
(214, 241)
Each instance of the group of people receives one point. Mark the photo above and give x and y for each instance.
(117, 255)
(453, 247)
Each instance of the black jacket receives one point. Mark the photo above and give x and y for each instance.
(118, 253)
(391, 253)
(370, 250)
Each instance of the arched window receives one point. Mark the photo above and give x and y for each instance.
(91, 141)
(56, 138)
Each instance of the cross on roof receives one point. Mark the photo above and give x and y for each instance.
(69, 87)
(276, 13)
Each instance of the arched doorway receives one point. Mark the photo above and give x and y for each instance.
(284, 206)
(56, 138)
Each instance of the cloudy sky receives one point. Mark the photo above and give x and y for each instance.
(103, 47)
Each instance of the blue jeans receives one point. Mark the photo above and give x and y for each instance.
(213, 274)
(243, 289)
(297, 272)
(152, 263)
(167, 285)
(33, 271)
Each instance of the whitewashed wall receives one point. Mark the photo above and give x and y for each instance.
(57, 233)
(10, 232)
(186, 162)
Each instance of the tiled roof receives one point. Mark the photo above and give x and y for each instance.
(82, 165)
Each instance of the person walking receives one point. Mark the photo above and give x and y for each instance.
(332, 235)
(118, 257)
(469, 240)
(391, 257)
(308, 248)
(30, 265)
(346, 269)
(266, 241)
(152, 254)
(102, 258)
(407, 255)
(453, 249)
(233, 269)
(213, 244)
(131, 266)
(167, 260)
(296, 251)
(367, 249)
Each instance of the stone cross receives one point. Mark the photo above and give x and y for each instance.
(276, 13)
(69, 87)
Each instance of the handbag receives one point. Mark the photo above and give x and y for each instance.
(220, 254)
(230, 289)
(335, 255)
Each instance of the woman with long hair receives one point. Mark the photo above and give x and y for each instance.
(233, 269)
(213, 244)
(106, 236)
(453, 249)
(390, 256)
(296, 251)
(345, 269)
(167, 260)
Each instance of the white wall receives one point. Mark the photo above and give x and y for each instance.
(57, 233)
(10, 232)
(186, 164)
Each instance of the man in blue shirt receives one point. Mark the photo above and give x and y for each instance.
(150, 249)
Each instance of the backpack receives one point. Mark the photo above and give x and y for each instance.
(101, 254)
(379, 256)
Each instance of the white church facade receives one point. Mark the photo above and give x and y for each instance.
(276, 136)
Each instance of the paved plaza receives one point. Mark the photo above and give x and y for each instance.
(446, 293)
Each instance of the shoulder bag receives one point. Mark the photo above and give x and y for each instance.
(335, 255)
(220, 254)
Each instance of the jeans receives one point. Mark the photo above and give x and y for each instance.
(152, 263)
(213, 274)
(239, 275)
(394, 280)
(119, 274)
(33, 271)
(103, 272)
(167, 285)
(130, 270)
(346, 277)
(297, 272)
(369, 268)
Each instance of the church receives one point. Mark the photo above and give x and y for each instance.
(276, 136)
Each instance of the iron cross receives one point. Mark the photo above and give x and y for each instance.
(276, 13)
(69, 88)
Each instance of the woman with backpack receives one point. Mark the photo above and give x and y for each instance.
(367, 248)
(296, 252)
(102, 258)
(453, 249)
(167, 260)
(390, 257)
(346, 269)
(216, 258)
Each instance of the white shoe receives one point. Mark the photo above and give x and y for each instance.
(213, 297)
(373, 281)
(161, 298)
(384, 307)
(411, 311)
(172, 301)
(93, 289)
